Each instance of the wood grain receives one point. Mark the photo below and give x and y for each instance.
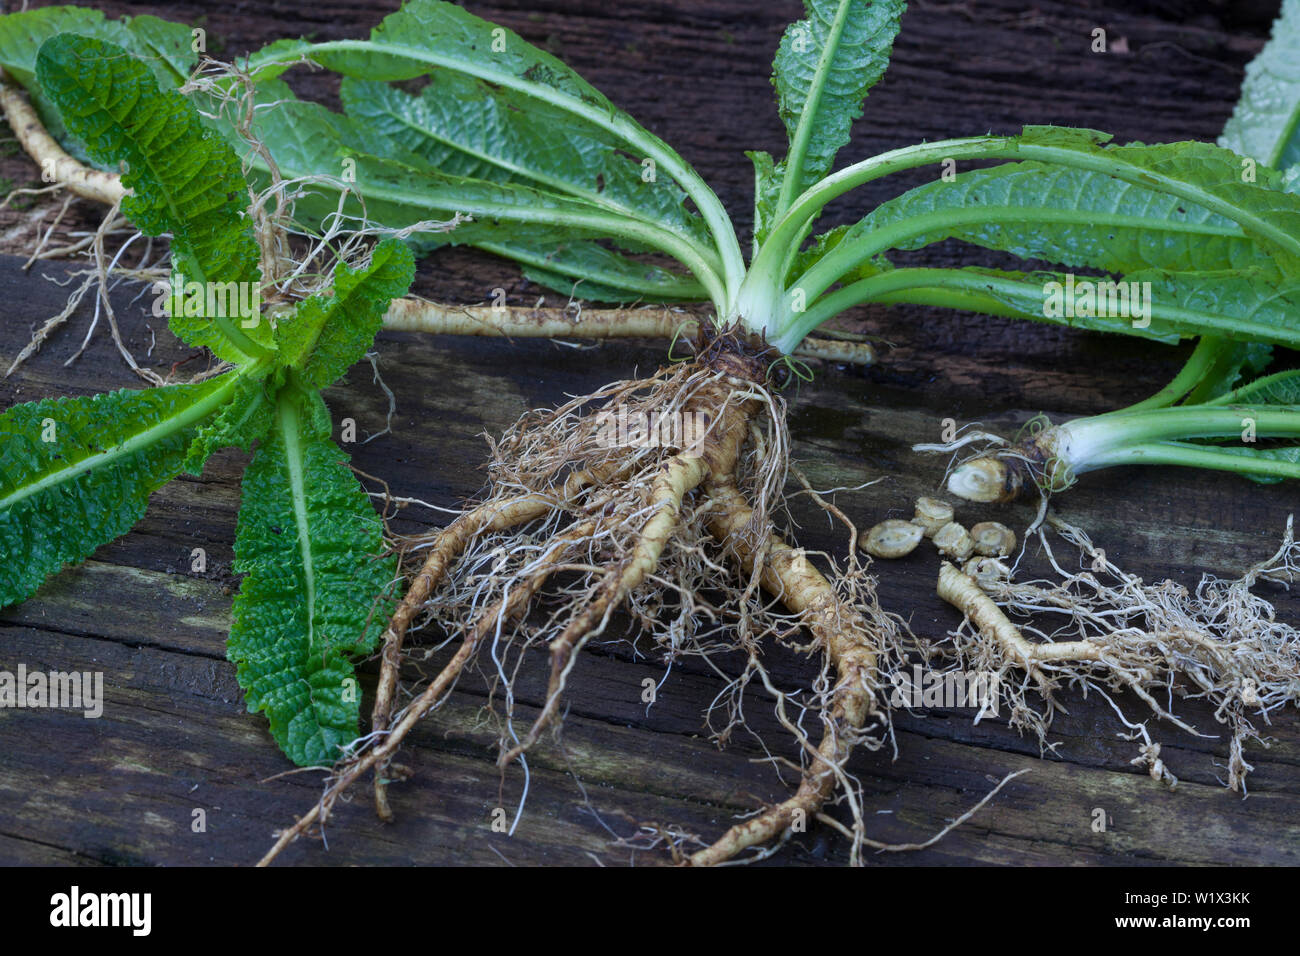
(174, 737)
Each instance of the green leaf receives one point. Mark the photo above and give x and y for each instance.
(1289, 454)
(315, 593)
(1236, 306)
(184, 179)
(400, 189)
(461, 126)
(1265, 123)
(1026, 294)
(1216, 179)
(1281, 388)
(586, 270)
(429, 35)
(75, 473)
(245, 418)
(1180, 206)
(823, 69)
(767, 194)
(825, 244)
(1062, 215)
(163, 46)
(329, 332)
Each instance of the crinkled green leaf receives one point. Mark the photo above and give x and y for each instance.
(184, 179)
(824, 244)
(824, 67)
(1067, 216)
(400, 190)
(767, 194)
(244, 419)
(1266, 122)
(461, 126)
(164, 47)
(1258, 311)
(589, 271)
(431, 37)
(328, 332)
(1255, 198)
(315, 589)
(75, 473)
(428, 35)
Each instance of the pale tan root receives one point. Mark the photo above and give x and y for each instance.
(964, 593)
(681, 474)
(82, 180)
(418, 315)
(378, 755)
(846, 643)
(448, 545)
(638, 538)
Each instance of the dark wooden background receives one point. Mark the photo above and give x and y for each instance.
(175, 738)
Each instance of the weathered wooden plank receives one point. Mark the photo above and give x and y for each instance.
(122, 788)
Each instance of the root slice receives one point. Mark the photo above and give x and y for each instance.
(848, 647)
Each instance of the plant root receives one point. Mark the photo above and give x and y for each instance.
(650, 322)
(1221, 643)
(89, 183)
(616, 501)
(447, 546)
(849, 648)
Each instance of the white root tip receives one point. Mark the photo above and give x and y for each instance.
(983, 480)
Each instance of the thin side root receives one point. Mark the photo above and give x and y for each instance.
(450, 543)
(433, 695)
(682, 475)
(848, 647)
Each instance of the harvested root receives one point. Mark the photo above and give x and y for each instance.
(892, 539)
(954, 541)
(992, 539)
(50, 156)
(851, 650)
(1221, 642)
(509, 321)
(615, 500)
